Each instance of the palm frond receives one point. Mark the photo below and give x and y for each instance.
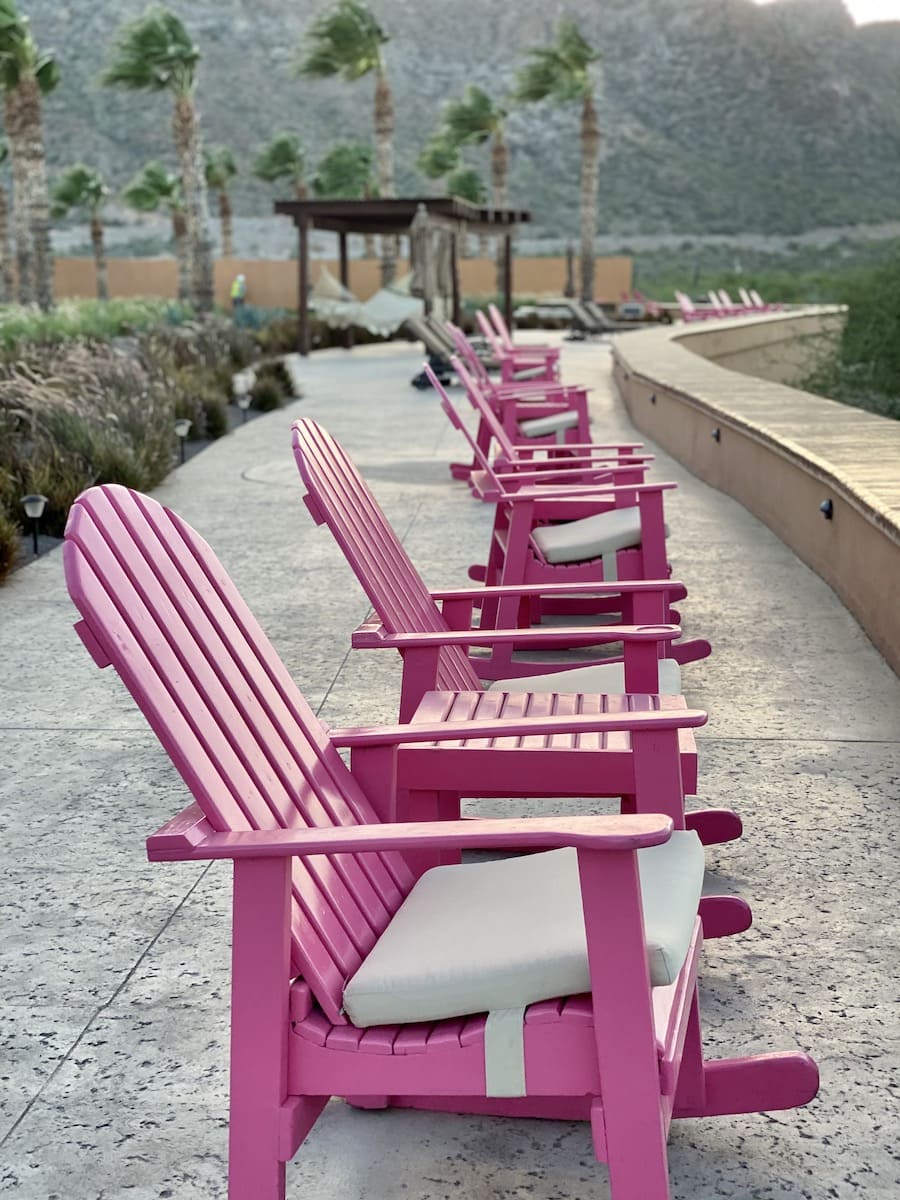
(220, 167)
(78, 187)
(154, 53)
(345, 172)
(467, 184)
(560, 72)
(474, 118)
(346, 40)
(439, 156)
(153, 188)
(282, 158)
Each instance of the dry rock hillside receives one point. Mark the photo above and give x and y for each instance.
(718, 115)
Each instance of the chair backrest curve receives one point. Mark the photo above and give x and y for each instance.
(344, 502)
(159, 606)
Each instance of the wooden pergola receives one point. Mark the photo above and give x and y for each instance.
(395, 217)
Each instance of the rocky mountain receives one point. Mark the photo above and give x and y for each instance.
(719, 116)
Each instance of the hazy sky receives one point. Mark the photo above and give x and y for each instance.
(868, 10)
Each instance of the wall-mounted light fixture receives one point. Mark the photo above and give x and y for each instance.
(826, 508)
(716, 435)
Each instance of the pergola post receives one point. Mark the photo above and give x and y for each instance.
(303, 286)
(454, 280)
(345, 280)
(507, 280)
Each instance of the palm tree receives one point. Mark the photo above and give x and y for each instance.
(26, 74)
(346, 41)
(466, 183)
(83, 188)
(346, 171)
(155, 188)
(475, 120)
(562, 72)
(7, 282)
(220, 170)
(439, 156)
(155, 53)
(283, 158)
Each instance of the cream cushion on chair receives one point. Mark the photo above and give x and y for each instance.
(553, 423)
(589, 537)
(605, 678)
(479, 937)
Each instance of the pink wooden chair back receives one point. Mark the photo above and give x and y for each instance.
(338, 496)
(157, 604)
(466, 353)
(500, 325)
(490, 334)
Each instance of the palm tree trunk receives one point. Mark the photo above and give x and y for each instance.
(179, 236)
(590, 169)
(7, 282)
(227, 224)
(186, 132)
(499, 173)
(13, 123)
(99, 256)
(38, 198)
(384, 165)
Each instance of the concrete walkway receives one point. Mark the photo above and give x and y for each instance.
(114, 973)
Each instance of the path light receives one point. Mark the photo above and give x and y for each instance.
(826, 508)
(182, 429)
(243, 402)
(34, 508)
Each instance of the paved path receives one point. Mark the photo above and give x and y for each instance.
(113, 973)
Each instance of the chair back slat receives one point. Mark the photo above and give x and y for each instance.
(385, 571)
(501, 326)
(248, 746)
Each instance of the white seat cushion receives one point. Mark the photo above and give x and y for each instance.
(554, 423)
(501, 934)
(605, 678)
(589, 537)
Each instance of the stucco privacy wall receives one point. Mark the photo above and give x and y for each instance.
(272, 283)
(780, 451)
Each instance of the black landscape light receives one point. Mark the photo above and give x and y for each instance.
(34, 506)
(182, 429)
(826, 508)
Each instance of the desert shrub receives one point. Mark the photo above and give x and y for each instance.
(9, 542)
(22, 328)
(201, 396)
(271, 387)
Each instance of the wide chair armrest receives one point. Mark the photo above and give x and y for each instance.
(191, 837)
(576, 492)
(563, 589)
(443, 731)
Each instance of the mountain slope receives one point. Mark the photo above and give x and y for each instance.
(718, 115)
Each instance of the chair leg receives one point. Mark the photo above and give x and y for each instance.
(638, 1167)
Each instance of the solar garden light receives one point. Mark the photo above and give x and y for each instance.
(243, 401)
(34, 506)
(182, 429)
(242, 384)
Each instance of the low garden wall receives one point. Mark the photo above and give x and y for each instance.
(722, 398)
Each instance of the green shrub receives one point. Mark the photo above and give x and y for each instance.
(22, 328)
(9, 542)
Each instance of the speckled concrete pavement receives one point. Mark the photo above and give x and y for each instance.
(114, 973)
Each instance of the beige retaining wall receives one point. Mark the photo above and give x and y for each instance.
(781, 452)
(273, 283)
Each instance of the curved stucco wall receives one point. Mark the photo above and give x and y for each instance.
(718, 397)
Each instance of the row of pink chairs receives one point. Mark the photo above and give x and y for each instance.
(720, 304)
(370, 960)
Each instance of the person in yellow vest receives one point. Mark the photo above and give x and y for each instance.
(238, 294)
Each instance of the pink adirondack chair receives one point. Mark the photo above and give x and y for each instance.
(761, 304)
(542, 363)
(520, 403)
(728, 305)
(513, 455)
(689, 311)
(594, 944)
(433, 640)
(503, 332)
